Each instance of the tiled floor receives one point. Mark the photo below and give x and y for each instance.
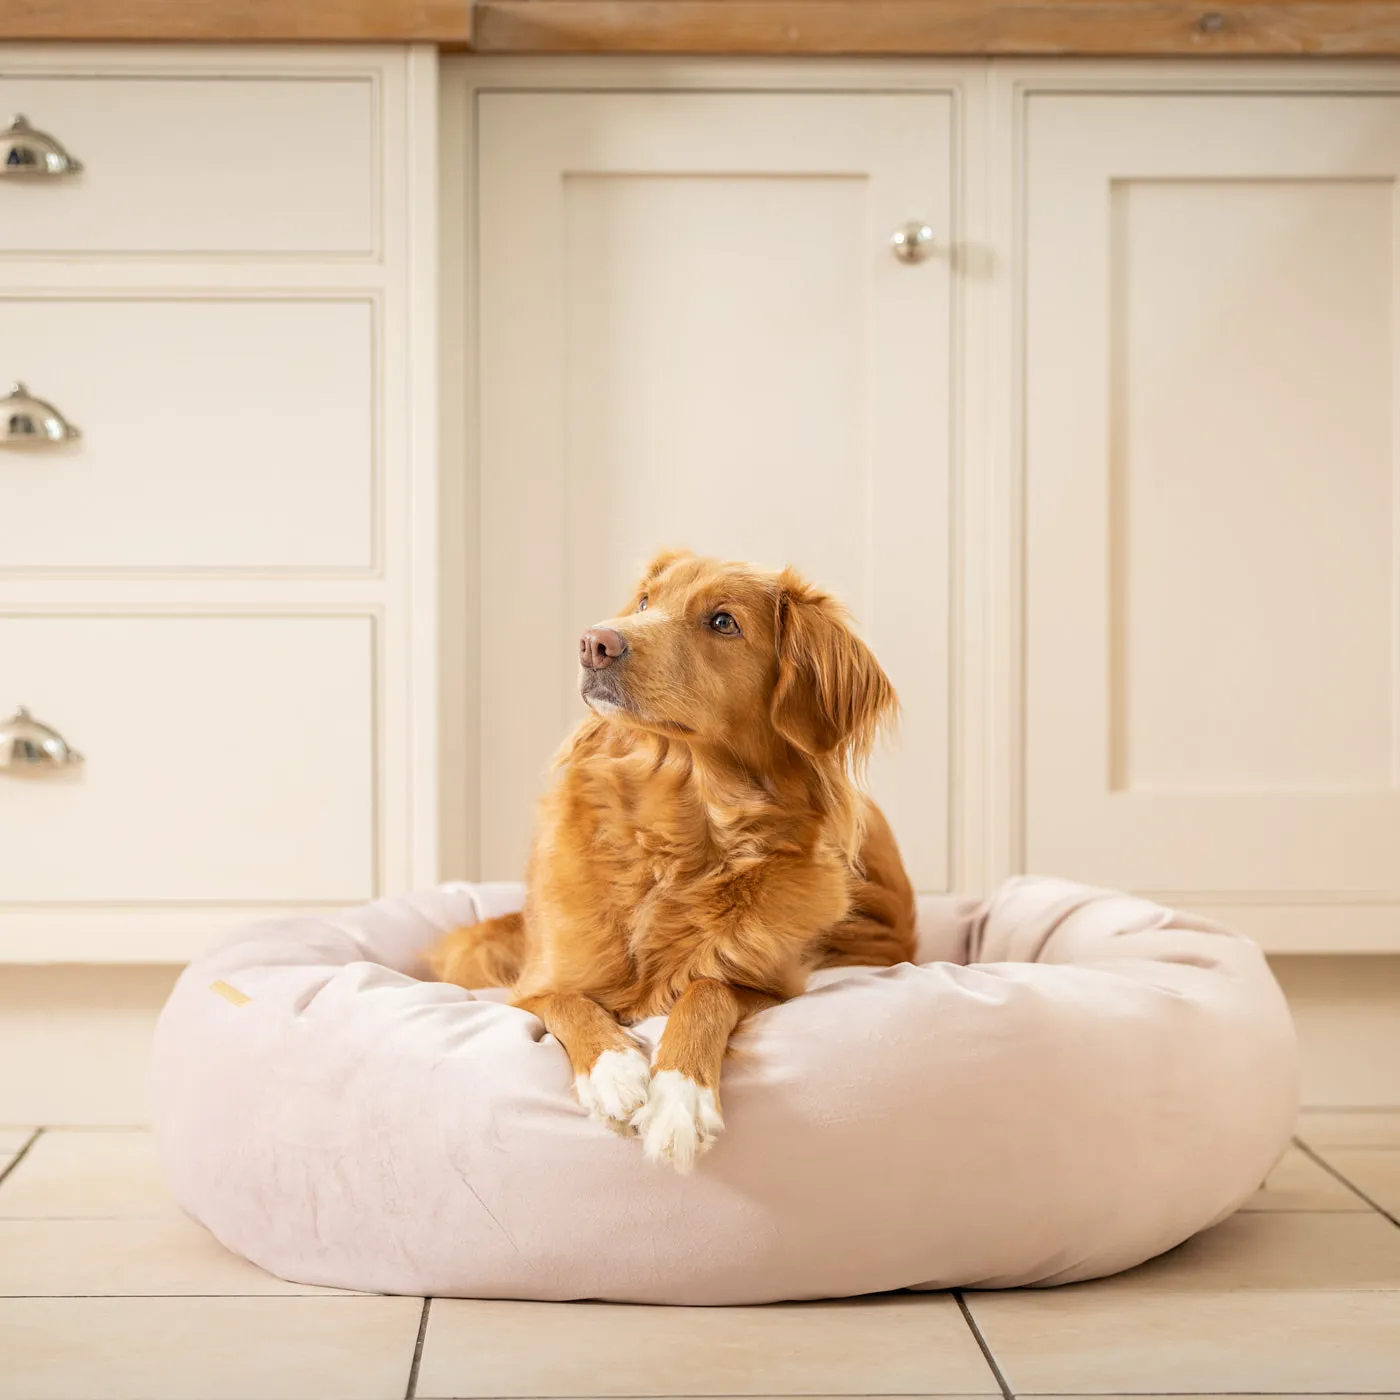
(108, 1293)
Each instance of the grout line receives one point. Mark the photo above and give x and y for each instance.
(1350, 1185)
(87, 1219)
(1356, 1147)
(91, 1127)
(418, 1351)
(20, 1155)
(328, 1297)
(991, 1360)
(1348, 1108)
(1291, 1210)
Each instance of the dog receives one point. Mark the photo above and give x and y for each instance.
(703, 844)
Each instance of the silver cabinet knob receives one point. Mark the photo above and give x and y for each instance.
(25, 151)
(28, 748)
(912, 242)
(29, 422)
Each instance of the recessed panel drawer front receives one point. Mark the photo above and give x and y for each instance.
(225, 760)
(215, 434)
(195, 166)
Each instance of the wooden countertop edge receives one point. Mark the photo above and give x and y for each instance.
(939, 27)
(444, 22)
(1124, 28)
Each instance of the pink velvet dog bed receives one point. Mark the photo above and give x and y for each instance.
(1071, 1082)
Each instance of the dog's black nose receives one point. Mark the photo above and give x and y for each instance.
(600, 647)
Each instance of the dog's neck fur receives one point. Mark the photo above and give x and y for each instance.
(749, 808)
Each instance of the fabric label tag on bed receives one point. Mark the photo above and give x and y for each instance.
(230, 993)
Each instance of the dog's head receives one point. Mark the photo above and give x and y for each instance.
(726, 655)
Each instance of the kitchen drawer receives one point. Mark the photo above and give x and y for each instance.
(216, 434)
(227, 759)
(197, 165)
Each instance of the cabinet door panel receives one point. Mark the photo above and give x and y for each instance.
(693, 332)
(1210, 490)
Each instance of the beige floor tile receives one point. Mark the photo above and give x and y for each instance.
(1376, 1170)
(1098, 1339)
(206, 1348)
(132, 1258)
(893, 1344)
(1350, 1127)
(87, 1174)
(1253, 1395)
(1310, 1251)
(1348, 1033)
(1298, 1183)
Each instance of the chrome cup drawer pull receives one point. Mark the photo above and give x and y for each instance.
(29, 422)
(25, 151)
(28, 747)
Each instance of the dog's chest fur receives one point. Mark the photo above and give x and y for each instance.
(700, 875)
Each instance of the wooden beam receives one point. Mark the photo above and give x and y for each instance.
(948, 27)
(446, 22)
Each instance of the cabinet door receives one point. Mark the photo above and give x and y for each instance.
(1211, 557)
(693, 332)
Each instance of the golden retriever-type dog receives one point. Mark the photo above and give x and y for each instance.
(703, 845)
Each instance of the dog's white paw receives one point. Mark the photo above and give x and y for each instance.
(679, 1120)
(616, 1088)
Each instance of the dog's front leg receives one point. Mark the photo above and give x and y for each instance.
(681, 1117)
(611, 1075)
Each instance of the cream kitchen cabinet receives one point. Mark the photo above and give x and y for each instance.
(1105, 471)
(1211, 558)
(693, 330)
(1108, 477)
(222, 591)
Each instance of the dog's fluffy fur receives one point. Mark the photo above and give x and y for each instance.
(703, 845)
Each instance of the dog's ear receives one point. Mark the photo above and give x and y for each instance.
(653, 571)
(663, 561)
(831, 692)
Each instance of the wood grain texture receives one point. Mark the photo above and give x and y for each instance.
(1045, 27)
(446, 22)
(1028, 27)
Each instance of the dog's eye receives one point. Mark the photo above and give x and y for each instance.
(642, 606)
(724, 624)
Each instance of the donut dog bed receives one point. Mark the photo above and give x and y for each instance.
(1069, 1083)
